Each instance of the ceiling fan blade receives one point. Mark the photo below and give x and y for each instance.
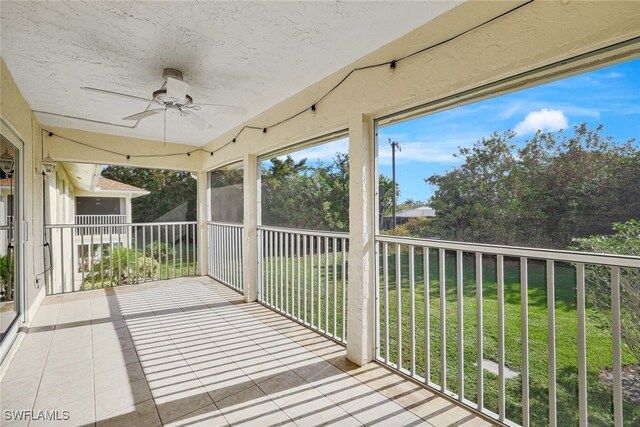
(177, 89)
(196, 120)
(229, 109)
(121, 95)
(144, 114)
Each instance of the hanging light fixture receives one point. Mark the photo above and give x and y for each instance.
(6, 162)
(48, 165)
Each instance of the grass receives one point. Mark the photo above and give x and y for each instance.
(599, 342)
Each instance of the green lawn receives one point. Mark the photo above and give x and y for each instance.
(599, 345)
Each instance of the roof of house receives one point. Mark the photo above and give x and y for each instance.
(417, 212)
(106, 184)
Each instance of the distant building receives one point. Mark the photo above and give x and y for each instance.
(404, 216)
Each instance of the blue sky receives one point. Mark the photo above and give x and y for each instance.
(609, 96)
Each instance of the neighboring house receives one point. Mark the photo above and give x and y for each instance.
(78, 195)
(404, 216)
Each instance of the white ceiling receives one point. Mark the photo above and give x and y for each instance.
(252, 54)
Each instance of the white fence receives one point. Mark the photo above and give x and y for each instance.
(423, 286)
(93, 256)
(225, 254)
(303, 275)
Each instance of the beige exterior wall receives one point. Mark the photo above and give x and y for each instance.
(17, 115)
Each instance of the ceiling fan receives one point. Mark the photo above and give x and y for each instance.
(172, 96)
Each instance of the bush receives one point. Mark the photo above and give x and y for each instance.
(6, 288)
(145, 267)
(166, 251)
(625, 241)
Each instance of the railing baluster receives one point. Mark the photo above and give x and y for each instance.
(111, 272)
(312, 274)
(319, 296)
(524, 307)
(582, 345)
(551, 342)
(304, 262)
(427, 315)
(443, 322)
(82, 269)
(335, 287)
(344, 289)
(378, 329)
(399, 303)
(479, 332)
(386, 301)
(166, 250)
(460, 296)
(135, 254)
(326, 285)
(101, 258)
(298, 264)
(128, 250)
(412, 309)
(186, 242)
(277, 266)
(274, 271)
(501, 338)
(286, 273)
(617, 350)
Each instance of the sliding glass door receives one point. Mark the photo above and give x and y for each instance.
(10, 295)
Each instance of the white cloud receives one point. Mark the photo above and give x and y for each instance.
(322, 152)
(425, 152)
(544, 119)
(614, 75)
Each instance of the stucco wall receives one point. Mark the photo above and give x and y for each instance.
(15, 111)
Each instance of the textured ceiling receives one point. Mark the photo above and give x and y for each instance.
(251, 54)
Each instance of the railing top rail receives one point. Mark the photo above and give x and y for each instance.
(226, 224)
(515, 251)
(337, 234)
(136, 224)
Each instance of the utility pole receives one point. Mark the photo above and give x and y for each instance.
(395, 145)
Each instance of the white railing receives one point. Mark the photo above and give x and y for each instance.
(303, 275)
(436, 322)
(225, 254)
(100, 220)
(111, 256)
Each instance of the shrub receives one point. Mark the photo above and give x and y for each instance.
(103, 276)
(6, 288)
(165, 251)
(625, 241)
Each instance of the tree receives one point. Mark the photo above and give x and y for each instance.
(555, 188)
(625, 241)
(385, 197)
(168, 190)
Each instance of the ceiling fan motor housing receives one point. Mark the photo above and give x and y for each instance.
(161, 97)
(173, 73)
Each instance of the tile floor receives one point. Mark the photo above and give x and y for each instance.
(190, 352)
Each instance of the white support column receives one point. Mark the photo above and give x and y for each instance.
(361, 293)
(250, 230)
(203, 216)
